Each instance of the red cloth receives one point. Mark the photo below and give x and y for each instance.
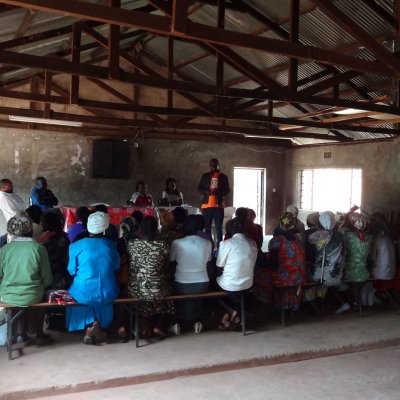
(117, 214)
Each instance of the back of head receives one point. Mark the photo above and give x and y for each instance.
(20, 225)
(293, 209)
(128, 227)
(82, 213)
(179, 215)
(35, 213)
(191, 225)
(98, 222)
(237, 225)
(241, 212)
(149, 226)
(101, 207)
(378, 225)
(137, 216)
(51, 222)
(327, 220)
(287, 221)
(312, 219)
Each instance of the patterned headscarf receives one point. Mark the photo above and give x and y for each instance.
(358, 221)
(287, 221)
(20, 225)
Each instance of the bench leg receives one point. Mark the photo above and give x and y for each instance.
(282, 292)
(137, 325)
(9, 333)
(243, 313)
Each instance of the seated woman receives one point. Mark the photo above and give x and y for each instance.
(24, 273)
(141, 198)
(287, 258)
(191, 255)
(235, 269)
(35, 214)
(57, 244)
(149, 262)
(171, 196)
(255, 231)
(93, 264)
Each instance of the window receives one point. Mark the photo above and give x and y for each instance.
(330, 189)
(111, 159)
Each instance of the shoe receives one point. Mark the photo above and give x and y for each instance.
(22, 339)
(343, 308)
(123, 335)
(198, 327)
(175, 329)
(96, 332)
(88, 338)
(43, 340)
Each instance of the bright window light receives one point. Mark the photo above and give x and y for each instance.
(330, 189)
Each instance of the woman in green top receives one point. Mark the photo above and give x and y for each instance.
(24, 270)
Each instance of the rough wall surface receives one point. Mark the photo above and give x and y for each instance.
(379, 161)
(65, 159)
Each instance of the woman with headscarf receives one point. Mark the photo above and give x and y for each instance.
(148, 280)
(171, 196)
(287, 258)
(93, 264)
(24, 272)
(358, 245)
(329, 259)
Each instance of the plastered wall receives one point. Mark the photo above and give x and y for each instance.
(65, 159)
(379, 161)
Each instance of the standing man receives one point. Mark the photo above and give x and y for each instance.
(214, 186)
(41, 196)
(10, 202)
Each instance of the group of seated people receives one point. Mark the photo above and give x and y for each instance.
(96, 266)
(336, 254)
(171, 196)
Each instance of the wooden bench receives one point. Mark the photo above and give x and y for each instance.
(132, 303)
(357, 285)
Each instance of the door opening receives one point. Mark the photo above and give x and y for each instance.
(249, 190)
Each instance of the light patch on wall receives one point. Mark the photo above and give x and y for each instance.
(16, 158)
(77, 162)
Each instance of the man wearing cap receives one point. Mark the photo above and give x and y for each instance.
(93, 264)
(10, 202)
(213, 186)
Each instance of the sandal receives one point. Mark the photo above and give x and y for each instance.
(123, 335)
(159, 334)
(97, 332)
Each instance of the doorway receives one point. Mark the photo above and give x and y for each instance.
(249, 190)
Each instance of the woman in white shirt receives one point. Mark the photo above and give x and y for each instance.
(171, 196)
(191, 255)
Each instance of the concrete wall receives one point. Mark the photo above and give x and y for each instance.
(379, 161)
(65, 160)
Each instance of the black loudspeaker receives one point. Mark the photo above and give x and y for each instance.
(111, 159)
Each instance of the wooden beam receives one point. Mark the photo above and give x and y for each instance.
(359, 34)
(170, 70)
(220, 60)
(25, 24)
(294, 38)
(196, 31)
(76, 57)
(47, 93)
(113, 45)
(180, 9)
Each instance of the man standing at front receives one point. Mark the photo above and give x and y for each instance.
(214, 186)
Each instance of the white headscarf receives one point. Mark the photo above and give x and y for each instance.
(327, 220)
(98, 222)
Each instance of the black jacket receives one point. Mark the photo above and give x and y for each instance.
(222, 190)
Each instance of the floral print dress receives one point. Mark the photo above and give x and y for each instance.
(290, 270)
(148, 276)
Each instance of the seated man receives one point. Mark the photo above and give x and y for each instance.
(10, 202)
(235, 267)
(42, 196)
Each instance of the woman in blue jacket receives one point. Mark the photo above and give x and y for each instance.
(93, 263)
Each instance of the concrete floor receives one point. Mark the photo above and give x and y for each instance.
(69, 366)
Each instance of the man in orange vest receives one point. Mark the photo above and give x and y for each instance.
(214, 186)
